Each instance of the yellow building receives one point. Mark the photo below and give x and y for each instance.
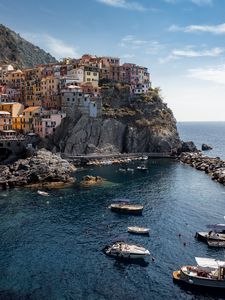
(14, 79)
(91, 75)
(49, 86)
(14, 108)
(5, 120)
(28, 115)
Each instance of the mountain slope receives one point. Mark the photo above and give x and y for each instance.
(19, 52)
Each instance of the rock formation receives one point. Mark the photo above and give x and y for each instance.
(91, 180)
(42, 169)
(136, 125)
(213, 166)
(206, 147)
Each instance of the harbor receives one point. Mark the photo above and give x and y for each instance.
(51, 239)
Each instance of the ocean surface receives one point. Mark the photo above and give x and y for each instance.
(211, 133)
(51, 247)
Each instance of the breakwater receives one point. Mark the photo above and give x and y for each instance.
(213, 166)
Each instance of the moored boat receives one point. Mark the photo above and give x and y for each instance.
(127, 251)
(217, 233)
(208, 273)
(142, 168)
(138, 230)
(214, 243)
(42, 193)
(127, 208)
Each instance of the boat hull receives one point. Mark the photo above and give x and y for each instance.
(127, 210)
(180, 276)
(133, 231)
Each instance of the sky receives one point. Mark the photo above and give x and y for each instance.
(182, 42)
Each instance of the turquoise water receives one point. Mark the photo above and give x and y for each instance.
(50, 248)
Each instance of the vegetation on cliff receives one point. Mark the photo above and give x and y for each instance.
(17, 51)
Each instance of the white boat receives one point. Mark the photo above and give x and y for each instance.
(42, 193)
(127, 208)
(138, 230)
(130, 170)
(217, 233)
(123, 250)
(142, 168)
(144, 157)
(122, 170)
(208, 273)
(214, 243)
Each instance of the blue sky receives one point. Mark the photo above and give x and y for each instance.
(182, 42)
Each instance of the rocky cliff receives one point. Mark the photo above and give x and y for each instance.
(19, 52)
(128, 125)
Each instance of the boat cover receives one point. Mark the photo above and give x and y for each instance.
(217, 227)
(209, 263)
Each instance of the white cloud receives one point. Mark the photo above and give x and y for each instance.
(54, 46)
(213, 74)
(127, 55)
(215, 29)
(189, 52)
(196, 2)
(123, 4)
(149, 47)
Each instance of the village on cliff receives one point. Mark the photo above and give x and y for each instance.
(35, 100)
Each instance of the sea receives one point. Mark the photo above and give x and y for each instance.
(51, 247)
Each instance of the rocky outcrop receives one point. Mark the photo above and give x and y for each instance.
(141, 124)
(91, 180)
(213, 166)
(206, 147)
(188, 147)
(42, 169)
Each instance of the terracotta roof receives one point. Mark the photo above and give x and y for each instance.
(31, 108)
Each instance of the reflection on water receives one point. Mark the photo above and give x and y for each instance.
(51, 247)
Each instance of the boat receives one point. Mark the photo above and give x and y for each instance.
(122, 170)
(214, 243)
(42, 193)
(127, 208)
(127, 251)
(144, 157)
(130, 170)
(142, 168)
(208, 273)
(216, 233)
(138, 230)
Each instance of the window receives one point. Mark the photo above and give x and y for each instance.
(88, 73)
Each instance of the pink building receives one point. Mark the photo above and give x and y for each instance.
(46, 123)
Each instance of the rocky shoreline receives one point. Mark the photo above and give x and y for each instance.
(43, 169)
(213, 166)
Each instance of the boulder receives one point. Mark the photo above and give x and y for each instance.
(188, 147)
(91, 180)
(206, 147)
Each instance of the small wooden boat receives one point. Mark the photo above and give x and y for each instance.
(42, 193)
(138, 230)
(127, 208)
(207, 273)
(127, 251)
